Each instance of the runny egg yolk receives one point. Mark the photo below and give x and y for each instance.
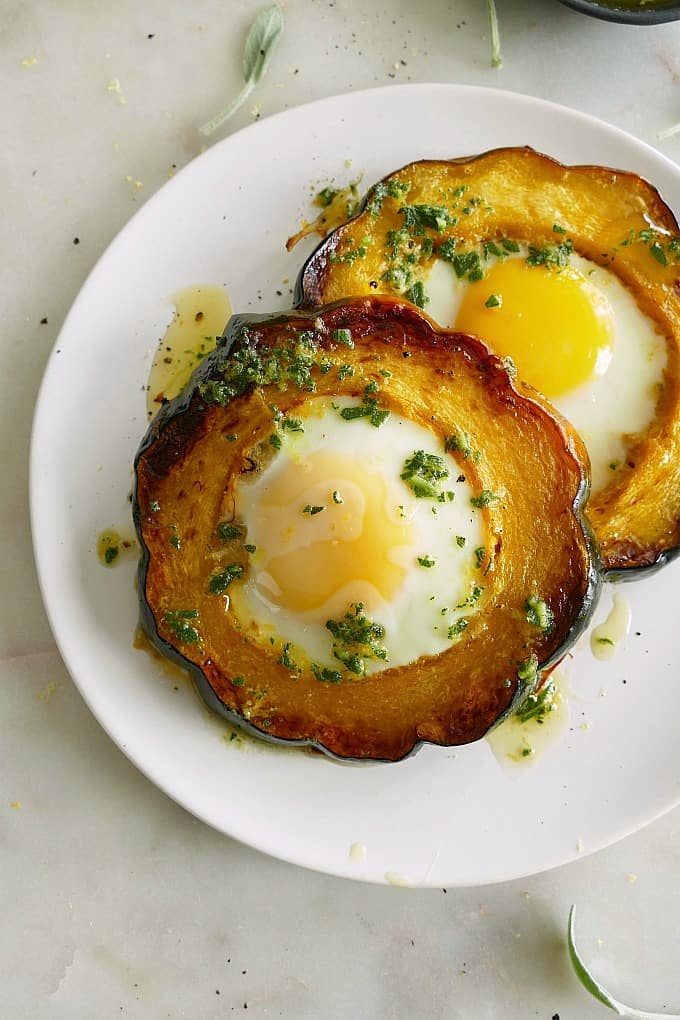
(554, 323)
(307, 554)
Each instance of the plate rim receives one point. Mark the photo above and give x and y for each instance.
(49, 598)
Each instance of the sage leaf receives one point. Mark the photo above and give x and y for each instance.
(597, 990)
(263, 35)
(496, 58)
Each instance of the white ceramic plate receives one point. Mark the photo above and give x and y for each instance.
(443, 817)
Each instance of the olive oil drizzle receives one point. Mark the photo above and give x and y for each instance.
(201, 313)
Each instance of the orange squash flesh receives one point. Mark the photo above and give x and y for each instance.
(616, 220)
(185, 476)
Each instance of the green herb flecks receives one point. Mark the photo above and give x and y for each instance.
(344, 337)
(260, 44)
(480, 556)
(312, 510)
(219, 582)
(324, 197)
(357, 638)
(368, 408)
(383, 190)
(664, 250)
(473, 598)
(325, 675)
(292, 362)
(226, 531)
(539, 613)
(494, 301)
(110, 554)
(552, 255)
(538, 706)
(177, 621)
(484, 499)
(461, 541)
(416, 294)
(457, 629)
(424, 473)
(426, 561)
(527, 670)
(459, 442)
(419, 217)
(285, 659)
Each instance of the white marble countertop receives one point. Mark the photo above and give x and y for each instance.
(116, 902)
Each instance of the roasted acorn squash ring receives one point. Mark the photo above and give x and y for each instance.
(613, 218)
(185, 471)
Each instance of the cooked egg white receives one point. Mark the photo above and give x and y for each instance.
(335, 526)
(575, 333)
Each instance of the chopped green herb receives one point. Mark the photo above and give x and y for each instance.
(325, 675)
(250, 548)
(292, 424)
(480, 556)
(275, 441)
(238, 681)
(337, 498)
(461, 541)
(459, 442)
(537, 706)
(176, 620)
(511, 246)
(154, 506)
(344, 371)
(539, 613)
(426, 561)
(368, 408)
(656, 250)
(383, 190)
(473, 598)
(418, 217)
(357, 638)
(175, 541)
(552, 255)
(326, 196)
(485, 498)
(226, 531)
(218, 583)
(286, 660)
(527, 671)
(557, 229)
(344, 337)
(424, 473)
(371, 387)
(231, 437)
(604, 641)
(468, 264)
(312, 510)
(110, 553)
(416, 294)
(457, 628)
(493, 301)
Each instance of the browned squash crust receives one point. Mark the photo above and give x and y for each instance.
(616, 220)
(185, 476)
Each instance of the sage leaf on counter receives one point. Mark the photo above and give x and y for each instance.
(597, 990)
(261, 41)
(496, 58)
